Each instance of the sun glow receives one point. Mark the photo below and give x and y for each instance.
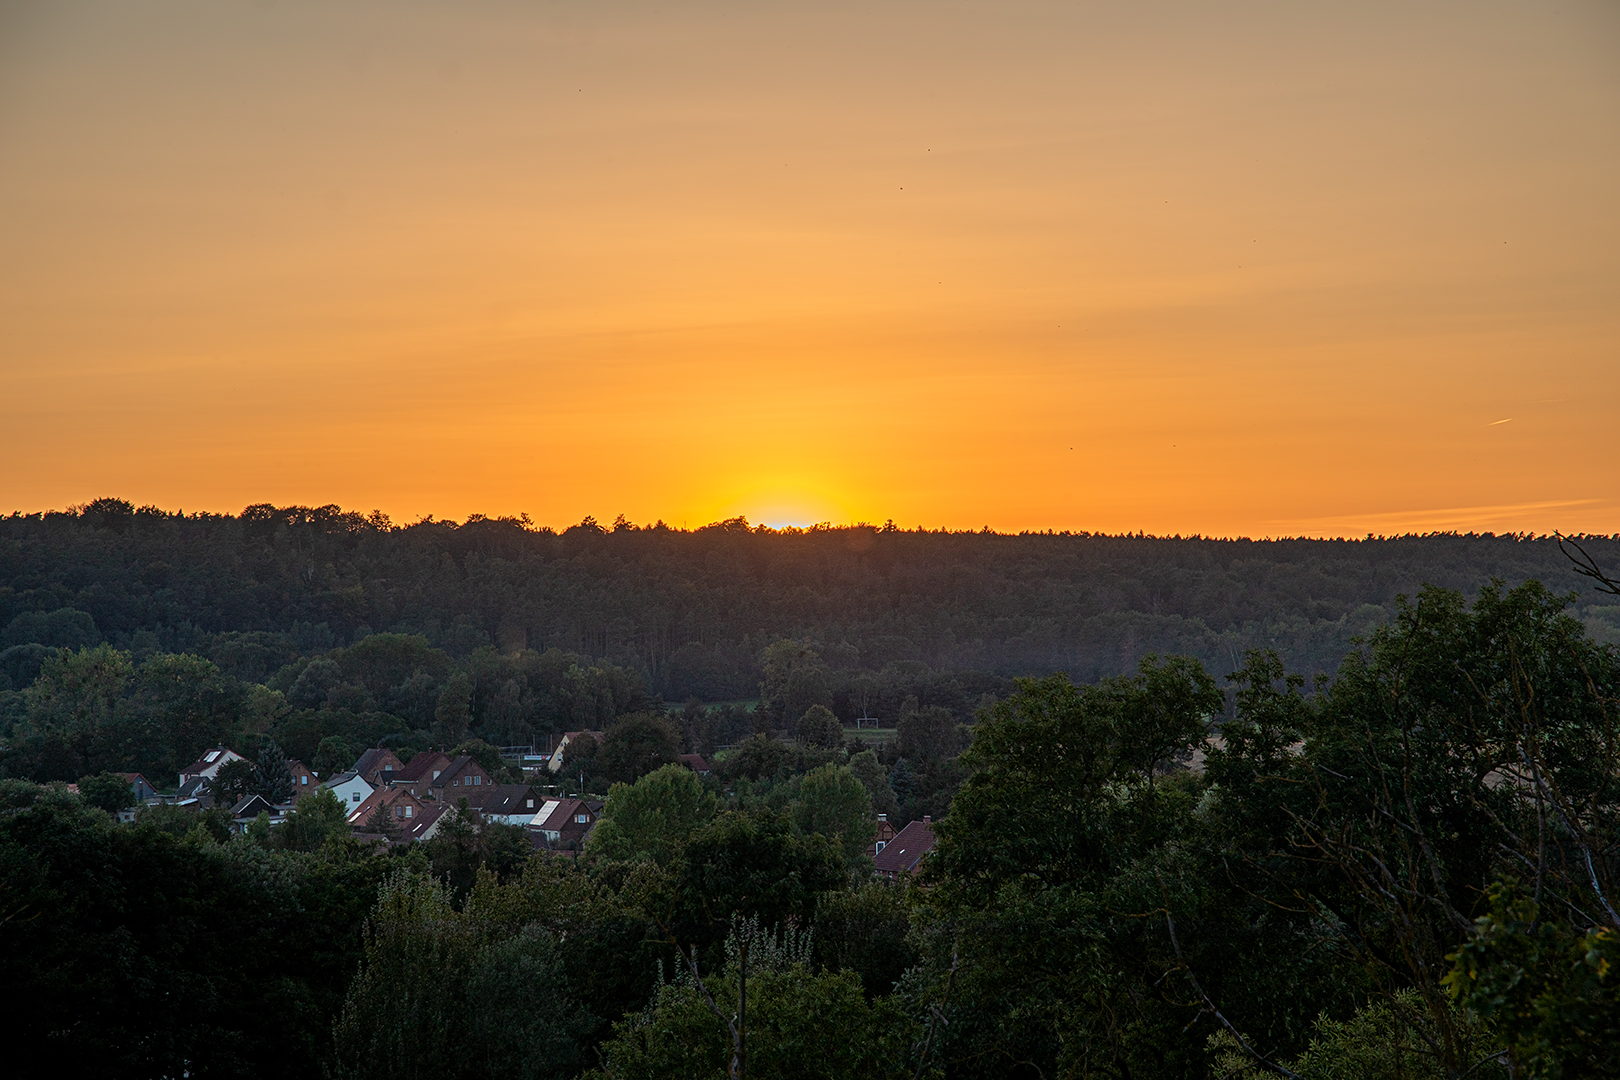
(1064, 266)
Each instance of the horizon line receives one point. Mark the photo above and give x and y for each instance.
(383, 522)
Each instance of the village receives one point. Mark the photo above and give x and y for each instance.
(393, 802)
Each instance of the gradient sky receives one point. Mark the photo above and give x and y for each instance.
(1236, 268)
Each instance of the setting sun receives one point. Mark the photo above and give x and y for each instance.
(1265, 271)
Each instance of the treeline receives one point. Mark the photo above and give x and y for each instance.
(691, 612)
(1408, 872)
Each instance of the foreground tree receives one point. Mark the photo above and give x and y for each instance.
(451, 988)
(652, 818)
(1096, 912)
(763, 1013)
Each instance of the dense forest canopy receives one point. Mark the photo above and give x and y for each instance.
(1406, 872)
(131, 639)
(692, 611)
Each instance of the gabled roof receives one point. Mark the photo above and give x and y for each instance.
(416, 828)
(373, 759)
(557, 827)
(551, 808)
(252, 806)
(422, 765)
(211, 759)
(343, 778)
(556, 814)
(505, 799)
(197, 785)
(902, 854)
(383, 796)
(882, 835)
(455, 769)
(136, 781)
(696, 763)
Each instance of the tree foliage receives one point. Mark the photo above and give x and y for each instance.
(652, 818)
(635, 746)
(449, 988)
(108, 791)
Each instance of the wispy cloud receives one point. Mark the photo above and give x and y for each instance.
(1500, 516)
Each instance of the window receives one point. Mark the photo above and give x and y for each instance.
(477, 780)
(435, 774)
(409, 811)
(583, 819)
(304, 779)
(356, 796)
(531, 804)
(881, 844)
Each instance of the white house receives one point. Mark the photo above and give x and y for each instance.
(349, 788)
(207, 766)
(555, 762)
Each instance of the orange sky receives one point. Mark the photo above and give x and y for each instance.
(1240, 268)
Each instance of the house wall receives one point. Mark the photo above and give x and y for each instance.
(351, 793)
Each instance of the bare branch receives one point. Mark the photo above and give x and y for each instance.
(1586, 566)
(1209, 1006)
(936, 1013)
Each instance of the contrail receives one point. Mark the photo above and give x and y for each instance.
(1493, 423)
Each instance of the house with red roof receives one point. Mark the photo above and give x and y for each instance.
(420, 773)
(505, 804)
(901, 855)
(563, 825)
(459, 779)
(397, 803)
(426, 824)
(375, 762)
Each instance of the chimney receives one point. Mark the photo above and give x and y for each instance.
(927, 820)
(883, 817)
